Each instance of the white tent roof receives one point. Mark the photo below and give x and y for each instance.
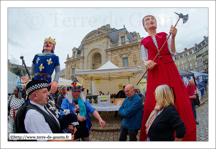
(63, 81)
(108, 65)
(109, 71)
(109, 77)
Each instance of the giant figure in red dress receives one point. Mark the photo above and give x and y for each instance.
(164, 71)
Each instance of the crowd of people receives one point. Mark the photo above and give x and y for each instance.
(169, 113)
(162, 122)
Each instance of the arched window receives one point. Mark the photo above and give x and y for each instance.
(96, 61)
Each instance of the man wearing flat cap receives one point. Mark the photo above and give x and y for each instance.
(38, 118)
(45, 63)
(76, 102)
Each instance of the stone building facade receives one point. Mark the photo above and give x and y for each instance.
(119, 46)
(186, 60)
(195, 58)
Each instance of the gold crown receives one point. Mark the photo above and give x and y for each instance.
(50, 39)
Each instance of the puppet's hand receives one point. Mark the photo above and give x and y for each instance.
(173, 31)
(25, 79)
(150, 64)
(54, 86)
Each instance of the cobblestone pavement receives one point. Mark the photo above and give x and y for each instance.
(202, 118)
(111, 131)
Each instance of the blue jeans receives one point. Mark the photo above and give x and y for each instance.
(124, 132)
(194, 109)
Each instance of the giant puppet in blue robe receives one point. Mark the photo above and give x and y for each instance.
(45, 63)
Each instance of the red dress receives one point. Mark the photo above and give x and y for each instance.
(166, 72)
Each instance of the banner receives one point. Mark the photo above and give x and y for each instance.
(42, 136)
(103, 99)
(120, 86)
(97, 80)
(143, 84)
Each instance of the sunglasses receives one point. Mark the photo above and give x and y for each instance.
(76, 91)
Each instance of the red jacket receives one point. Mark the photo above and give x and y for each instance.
(152, 49)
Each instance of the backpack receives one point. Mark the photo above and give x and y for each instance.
(196, 100)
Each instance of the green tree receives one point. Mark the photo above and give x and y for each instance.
(17, 71)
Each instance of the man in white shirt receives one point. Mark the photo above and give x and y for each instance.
(38, 118)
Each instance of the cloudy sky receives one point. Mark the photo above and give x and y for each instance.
(28, 27)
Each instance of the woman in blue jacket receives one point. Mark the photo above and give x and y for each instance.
(75, 101)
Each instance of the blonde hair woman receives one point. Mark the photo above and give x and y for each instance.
(164, 119)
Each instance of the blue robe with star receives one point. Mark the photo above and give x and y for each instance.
(45, 64)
